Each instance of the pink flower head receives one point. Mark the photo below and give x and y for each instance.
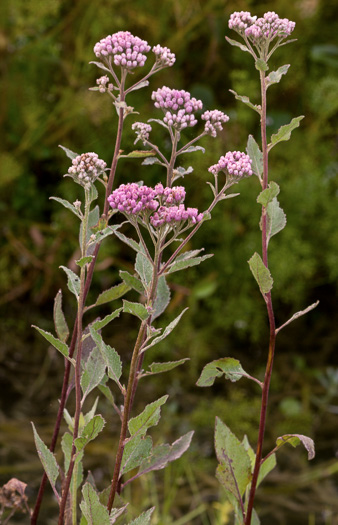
(240, 20)
(102, 83)
(213, 121)
(234, 163)
(268, 27)
(86, 168)
(164, 57)
(142, 131)
(178, 106)
(127, 50)
(132, 199)
(175, 214)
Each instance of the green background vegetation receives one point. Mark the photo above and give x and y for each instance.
(45, 47)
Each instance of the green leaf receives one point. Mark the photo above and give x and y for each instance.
(246, 101)
(67, 205)
(93, 372)
(166, 331)
(189, 254)
(148, 418)
(158, 121)
(89, 432)
(237, 44)
(162, 298)
(59, 345)
(276, 218)
(230, 367)
(47, 459)
(102, 234)
(133, 244)
(159, 368)
(115, 292)
(149, 161)
(138, 154)
(256, 156)
(284, 132)
(144, 268)
(144, 519)
(100, 65)
(234, 469)
(101, 323)
(295, 440)
(134, 453)
(60, 323)
(73, 281)
(110, 356)
(132, 281)
(186, 263)
(94, 512)
(261, 273)
(70, 154)
(84, 260)
(191, 149)
(139, 85)
(261, 65)
(275, 76)
(267, 195)
(66, 445)
(266, 465)
(137, 309)
(93, 219)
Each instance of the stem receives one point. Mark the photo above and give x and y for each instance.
(269, 306)
(174, 139)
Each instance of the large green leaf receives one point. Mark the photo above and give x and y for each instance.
(132, 281)
(48, 461)
(68, 205)
(162, 298)
(166, 331)
(275, 76)
(135, 451)
(101, 323)
(137, 309)
(284, 132)
(148, 418)
(94, 512)
(246, 101)
(144, 268)
(159, 368)
(93, 372)
(110, 356)
(236, 44)
(59, 345)
(178, 265)
(276, 218)
(261, 273)
(256, 157)
(230, 367)
(266, 196)
(144, 519)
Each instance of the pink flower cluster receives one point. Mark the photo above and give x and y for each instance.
(234, 163)
(214, 120)
(127, 50)
(86, 168)
(142, 131)
(240, 20)
(164, 57)
(102, 83)
(265, 28)
(167, 203)
(178, 106)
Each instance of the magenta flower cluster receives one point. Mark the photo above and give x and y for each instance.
(213, 121)
(164, 57)
(167, 203)
(126, 49)
(240, 20)
(261, 29)
(86, 168)
(234, 163)
(178, 107)
(142, 131)
(102, 83)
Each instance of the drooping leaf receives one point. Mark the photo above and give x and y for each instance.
(60, 323)
(138, 154)
(89, 432)
(166, 331)
(230, 367)
(59, 345)
(261, 273)
(100, 65)
(276, 218)
(144, 519)
(148, 418)
(101, 323)
(159, 368)
(162, 298)
(237, 44)
(284, 132)
(67, 205)
(246, 101)
(144, 268)
(70, 154)
(94, 512)
(73, 281)
(132, 281)
(127, 240)
(186, 263)
(137, 309)
(234, 469)
(275, 76)
(295, 440)
(48, 461)
(256, 156)
(115, 292)
(266, 196)
(134, 453)
(93, 372)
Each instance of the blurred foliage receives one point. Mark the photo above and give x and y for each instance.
(45, 48)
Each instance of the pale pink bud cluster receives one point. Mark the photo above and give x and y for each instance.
(269, 27)
(240, 20)
(132, 199)
(214, 120)
(234, 163)
(126, 49)
(86, 168)
(178, 107)
(164, 57)
(172, 214)
(168, 196)
(102, 83)
(142, 131)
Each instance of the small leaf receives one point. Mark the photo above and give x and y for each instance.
(73, 281)
(66, 445)
(137, 309)
(276, 218)
(102, 234)
(90, 432)
(70, 154)
(133, 244)
(186, 263)
(148, 418)
(267, 195)
(237, 44)
(67, 205)
(158, 121)
(94, 512)
(93, 219)
(132, 281)
(261, 273)
(246, 101)
(191, 149)
(84, 260)
(144, 268)
(110, 356)
(284, 132)
(261, 65)
(139, 154)
(230, 367)
(134, 453)
(149, 161)
(144, 519)
(48, 460)
(159, 368)
(59, 345)
(266, 467)
(100, 65)
(275, 76)
(166, 331)
(295, 440)
(139, 85)
(256, 156)
(115, 292)
(60, 323)
(101, 323)
(162, 298)
(93, 372)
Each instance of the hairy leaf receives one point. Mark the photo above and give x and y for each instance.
(266, 196)
(162, 298)
(70, 154)
(230, 367)
(136, 309)
(89, 432)
(73, 281)
(67, 205)
(256, 156)
(134, 453)
(127, 240)
(59, 345)
(148, 418)
(144, 268)
(261, 273)
(166, 331)
(93, 372)
(139, 154)
(191, 149)
(60, 323)
(101, 323)
(110, 356)
(102, 234)
(112, 293)
(246, 101)
(261, 65)
(159, 368)
(236, 44)
(275, 76)
(132, 281)
(47, 459)
(276, 218)
(94, 512)
(149, 161)
(295, 440)
(284, 132)
(144, 519)
(186, 263)
(84, 260)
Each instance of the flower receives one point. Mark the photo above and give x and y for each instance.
(101, 82)
(142, 131)
(240, 20)
(214, 120)
(164, 57)
(168, 196)
(86, 168)
(234, 163)
(126, 49)
(175, 214)
(269, 27)
(132, 199)
(178, 106)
